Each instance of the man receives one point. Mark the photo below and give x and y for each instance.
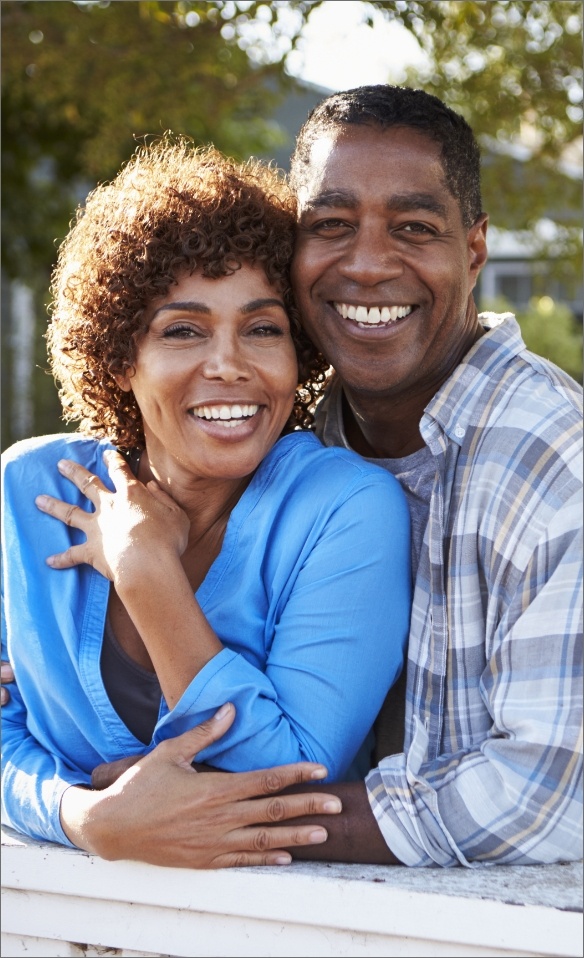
(486, 440)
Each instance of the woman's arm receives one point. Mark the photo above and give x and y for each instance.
(337, 644)
(160, 811)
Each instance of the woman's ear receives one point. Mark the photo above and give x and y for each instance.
(124, 379)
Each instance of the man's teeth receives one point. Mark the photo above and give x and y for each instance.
(374, 316)
(228, 415)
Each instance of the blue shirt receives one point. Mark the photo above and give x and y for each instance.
(310, 596)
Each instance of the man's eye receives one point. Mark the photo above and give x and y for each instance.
(417, 228)
(330, 225)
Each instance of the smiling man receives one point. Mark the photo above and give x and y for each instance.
(485, 438)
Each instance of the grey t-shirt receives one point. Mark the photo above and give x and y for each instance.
(416, 472)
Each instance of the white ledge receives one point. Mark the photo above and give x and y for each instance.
(58, 901)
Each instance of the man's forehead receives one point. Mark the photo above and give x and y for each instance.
(336, 158)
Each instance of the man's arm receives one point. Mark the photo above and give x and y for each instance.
(353, 835)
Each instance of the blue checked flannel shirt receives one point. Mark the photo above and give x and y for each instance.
(491, 771)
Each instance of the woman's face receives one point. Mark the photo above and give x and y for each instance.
(215, 374)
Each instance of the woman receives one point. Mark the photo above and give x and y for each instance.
(229, 557)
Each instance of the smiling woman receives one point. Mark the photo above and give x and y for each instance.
(192, 546)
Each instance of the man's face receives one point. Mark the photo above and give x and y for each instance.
(384, 268)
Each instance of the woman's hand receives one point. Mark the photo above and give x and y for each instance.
(127, 526)
(7, 676)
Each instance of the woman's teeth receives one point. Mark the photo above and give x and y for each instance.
(228, 416)
(375, 316)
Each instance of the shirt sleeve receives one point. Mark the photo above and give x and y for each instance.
(33, 779)
(338, 646)
(514, 797)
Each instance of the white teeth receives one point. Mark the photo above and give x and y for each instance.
(228, 415)
(375, 316)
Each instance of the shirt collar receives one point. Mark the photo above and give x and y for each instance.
(454, 406)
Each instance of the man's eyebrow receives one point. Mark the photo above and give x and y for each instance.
(400, 202)
(331, 198)
(189, 306)
(406, 202)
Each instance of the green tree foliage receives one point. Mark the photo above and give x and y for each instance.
(81, 80)
(550, 330)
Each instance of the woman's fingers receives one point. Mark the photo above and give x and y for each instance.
(69, 514)
(87, 482)
(119, 470)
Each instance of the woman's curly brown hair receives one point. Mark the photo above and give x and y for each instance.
(172, 209)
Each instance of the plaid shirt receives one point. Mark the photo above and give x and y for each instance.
(491, 769)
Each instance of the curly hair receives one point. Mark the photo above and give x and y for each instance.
(172, 209)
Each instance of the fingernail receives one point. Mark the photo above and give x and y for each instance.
(41, 501)
(62, 465)
(223, 711)
(6, 673)
(282, 860)
(319, 773)
(50, 560)
(3, 696)
(318, 836)
(333, 806)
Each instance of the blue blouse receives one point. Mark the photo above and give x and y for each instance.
(310, 596)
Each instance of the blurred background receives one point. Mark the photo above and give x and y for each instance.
(83, 81)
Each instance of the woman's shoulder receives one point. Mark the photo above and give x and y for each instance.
(45, 451)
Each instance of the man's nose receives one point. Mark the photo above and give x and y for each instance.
(372, 257)
(226, 360)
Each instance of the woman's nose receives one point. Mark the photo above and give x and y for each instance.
(225, 360)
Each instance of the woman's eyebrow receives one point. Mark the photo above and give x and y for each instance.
(188, 306)
(261, 304)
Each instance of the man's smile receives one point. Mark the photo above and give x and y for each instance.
(366, 316)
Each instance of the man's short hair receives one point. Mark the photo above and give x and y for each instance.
(385, 106)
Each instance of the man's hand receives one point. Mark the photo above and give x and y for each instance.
(163, 812)
(7, 676)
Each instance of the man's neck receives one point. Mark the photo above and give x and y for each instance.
(381, 430)
(388, 426)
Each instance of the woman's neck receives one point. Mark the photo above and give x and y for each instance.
(208, 502)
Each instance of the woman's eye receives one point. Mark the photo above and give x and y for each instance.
(266, 329)
(181, 331)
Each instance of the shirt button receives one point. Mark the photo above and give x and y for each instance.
(459, 432)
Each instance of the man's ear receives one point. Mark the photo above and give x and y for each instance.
(124, 379)
(477, 246)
